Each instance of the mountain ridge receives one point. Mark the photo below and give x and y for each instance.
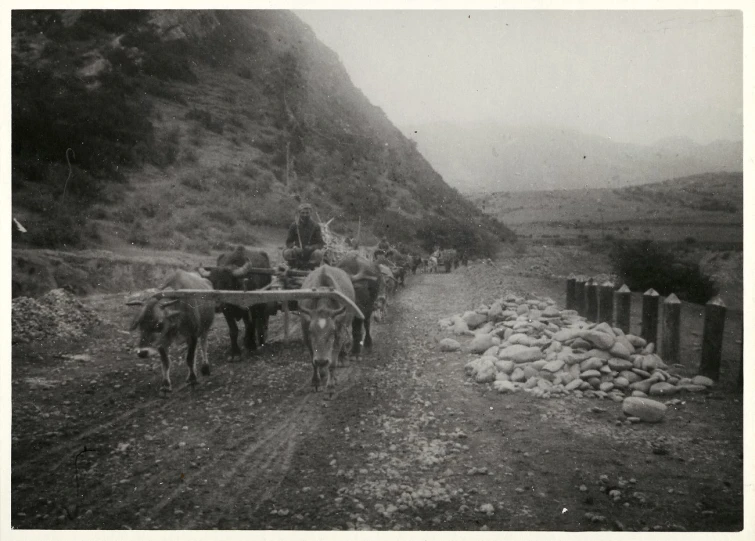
(491, 156)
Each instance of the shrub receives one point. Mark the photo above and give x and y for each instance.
(62, 226)
(647, 264)
(102, 125)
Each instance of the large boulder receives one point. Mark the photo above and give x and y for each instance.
(518, 375)
(520, 338)
(503, 386)
(702, 380)
(553, 366)
(564, 335)
(636, 341)
(459, 327)
(643, 385)
(495, 309)
(486, 373)
(620, 350)
(530, 371)
(482, 343)
(507, 367)
(520, 354)
(593, 363)
(630, 376)
(662, 389)
(482, 369)
(449, 344)
(646, 409)
(601, 340)
(474, 319)
(619, 364)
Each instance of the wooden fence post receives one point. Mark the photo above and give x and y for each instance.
(579, 295)
(285, 322)
(623, 301)
(650, 303)
(713, 338)
(741, 381)
(672, 310)
(605, 302)
(571, 283)
(591, 300)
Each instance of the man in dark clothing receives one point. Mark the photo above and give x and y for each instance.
(383, 244)
(304, 244)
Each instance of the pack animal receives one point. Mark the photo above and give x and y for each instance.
(325, 323)
(370, 295)
(416, 261)
(397, 272)
(232, 273)
(161, 321)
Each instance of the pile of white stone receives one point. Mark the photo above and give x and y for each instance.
(529, 345)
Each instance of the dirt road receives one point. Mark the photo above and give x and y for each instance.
(407, 442)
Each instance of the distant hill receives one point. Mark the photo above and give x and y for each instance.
(188, 129)
(494, 157)
(707, 208)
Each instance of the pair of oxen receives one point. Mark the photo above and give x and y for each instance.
(325, 321)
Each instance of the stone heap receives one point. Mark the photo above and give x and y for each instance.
(529, 345)
(57, 314)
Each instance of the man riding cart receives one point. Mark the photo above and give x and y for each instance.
(304, 243)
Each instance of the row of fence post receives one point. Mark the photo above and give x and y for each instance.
(602, 302)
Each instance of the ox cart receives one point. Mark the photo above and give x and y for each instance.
(284, 289)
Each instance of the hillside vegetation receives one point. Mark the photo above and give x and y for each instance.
(187, 130)
(706, 208)
(682, 235)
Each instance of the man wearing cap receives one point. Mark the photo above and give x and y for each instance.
(304, 244)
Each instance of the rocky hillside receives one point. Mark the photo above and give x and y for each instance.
(186, 130)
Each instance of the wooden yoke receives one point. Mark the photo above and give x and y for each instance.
(249, 298)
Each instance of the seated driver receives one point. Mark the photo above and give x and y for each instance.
(304, 244)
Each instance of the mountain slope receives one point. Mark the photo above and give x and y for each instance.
(495, 157)
(188, 129)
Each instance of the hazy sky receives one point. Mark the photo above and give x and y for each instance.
(634, 76)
